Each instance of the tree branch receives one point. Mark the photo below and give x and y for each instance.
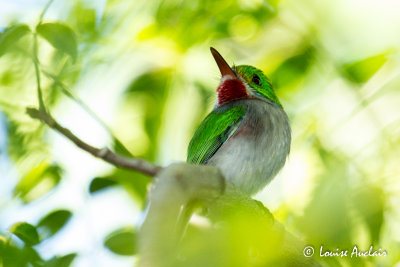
(237, 222)
(86, 108)
(106, 154)
(174, 187)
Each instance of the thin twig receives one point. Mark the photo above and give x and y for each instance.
(45, 10)
(86, 108)
(106, 154)
(36, 58)
(37, 72)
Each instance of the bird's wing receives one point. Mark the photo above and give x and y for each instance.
(215, 129)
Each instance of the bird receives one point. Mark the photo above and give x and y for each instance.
(247, 135)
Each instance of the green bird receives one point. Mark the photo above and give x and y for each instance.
(247, 135)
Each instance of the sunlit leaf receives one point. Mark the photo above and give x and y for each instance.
(327, 213)
(26, 232)
(12, 255)
(360, 71)
(122, 241)
(134, 182)
(53, 222)
(293, 69)
(100, 183)
(120, 148)
(369, 202)
(154, 87)
(173, 17)
(84, 19)
(59, 35)
(39, 181)
(2, 242)
(23, 137)
(61, 261)
(11, 35)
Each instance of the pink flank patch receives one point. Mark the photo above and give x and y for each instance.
(230, 90)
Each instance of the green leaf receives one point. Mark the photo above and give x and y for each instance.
(84, 19)
(53, 222)
(371, 211)
(38, 181)
(60, 36)
(100, 183)
(61, 261)
(11, 35)
(3, 241)
(360, 71)
(122, 241)
(134, 183)
(26, 232)
(12, 255)
(120, 148)
(292, 70)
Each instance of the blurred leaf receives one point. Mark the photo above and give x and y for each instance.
(122, 241)
(53, 222)
(369, 202)
(327, 213)
(2, 243)
(172, 18)
(360, 71)
(40, 180)
(84, 19)
(134, 183)
(153, 82)
(153, 86)
(23, 138)
(13, 256)
(59, 35)
(120, 148)
(11, 35)
(7, 78)
(26, 232)
(100, 183)
(61, 261)
(292, 70)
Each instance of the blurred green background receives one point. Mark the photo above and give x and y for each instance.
(145, 69)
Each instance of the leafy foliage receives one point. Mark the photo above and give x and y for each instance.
(39, 181)
(26, 232)
(100, 183)
(11, 35)
(59, 35)
(53, 222)
(360, 71)
(121, 241)
(61, 261)
(145, 69)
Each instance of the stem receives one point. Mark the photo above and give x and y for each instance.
(45, 10)
(37, 72)
(36, 58)
(85, 107)
(106, 154)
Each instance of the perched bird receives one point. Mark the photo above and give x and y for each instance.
(247, 134)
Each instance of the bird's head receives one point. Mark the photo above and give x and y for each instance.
(241, 82)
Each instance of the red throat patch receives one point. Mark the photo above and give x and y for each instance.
(229, 90)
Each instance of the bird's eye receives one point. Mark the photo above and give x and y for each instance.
(256, 80)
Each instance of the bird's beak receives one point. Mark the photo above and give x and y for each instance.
(222, 65)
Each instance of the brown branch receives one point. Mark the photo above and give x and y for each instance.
(106, 154)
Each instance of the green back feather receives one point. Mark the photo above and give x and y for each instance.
(213, 132)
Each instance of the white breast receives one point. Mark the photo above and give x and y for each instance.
(255, 153)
